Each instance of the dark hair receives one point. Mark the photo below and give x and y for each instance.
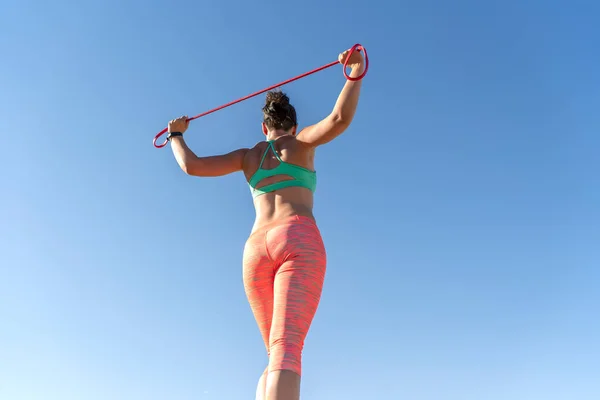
(278, 113)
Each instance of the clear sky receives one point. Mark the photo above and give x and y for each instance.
(460, 210)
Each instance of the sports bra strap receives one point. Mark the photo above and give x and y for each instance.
(274, 152)
(270, 146)
(263, 157)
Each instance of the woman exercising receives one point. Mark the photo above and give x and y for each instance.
(284, 259)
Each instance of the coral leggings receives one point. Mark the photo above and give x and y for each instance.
(284, 269)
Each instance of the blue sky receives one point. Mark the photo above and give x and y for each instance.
(460, 210)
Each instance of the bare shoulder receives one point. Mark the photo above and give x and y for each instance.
(300, 153)
(254, 151)
(299, 146)
(252, 157)
(291, 146)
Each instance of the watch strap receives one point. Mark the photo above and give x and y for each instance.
(173, 134)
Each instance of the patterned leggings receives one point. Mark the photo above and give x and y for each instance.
(284, 269)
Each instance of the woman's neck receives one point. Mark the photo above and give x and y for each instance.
(274, 135)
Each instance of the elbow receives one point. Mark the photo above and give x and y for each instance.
(185, 168)
(189, 167)
(341, 120)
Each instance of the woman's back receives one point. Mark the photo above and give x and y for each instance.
(269, 163)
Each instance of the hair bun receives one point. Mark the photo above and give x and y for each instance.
(278, 112)
(284, 100)
(275, 108)
(278, 97)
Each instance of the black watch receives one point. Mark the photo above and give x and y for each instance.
(172, 134)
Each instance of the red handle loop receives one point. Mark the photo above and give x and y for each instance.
(356, 47)
(158, 146)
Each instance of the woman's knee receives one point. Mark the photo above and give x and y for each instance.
(286, 355)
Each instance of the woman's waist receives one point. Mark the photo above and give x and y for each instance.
(268, 217)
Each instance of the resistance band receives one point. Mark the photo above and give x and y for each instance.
(356, 47)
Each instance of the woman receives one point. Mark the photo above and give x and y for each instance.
(284, 259)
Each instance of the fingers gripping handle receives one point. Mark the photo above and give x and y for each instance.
(356, 47)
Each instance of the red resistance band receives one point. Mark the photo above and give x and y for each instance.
(356, 47)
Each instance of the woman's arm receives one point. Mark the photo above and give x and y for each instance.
(343, 112)
(191, 164)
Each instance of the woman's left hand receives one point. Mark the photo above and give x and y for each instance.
(179, 125)
(356, 59)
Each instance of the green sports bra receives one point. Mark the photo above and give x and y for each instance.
(302, 177)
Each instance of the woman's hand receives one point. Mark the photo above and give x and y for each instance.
(356, 59)
(179, 125)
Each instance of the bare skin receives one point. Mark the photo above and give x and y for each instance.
(261, 389)
(292, 147)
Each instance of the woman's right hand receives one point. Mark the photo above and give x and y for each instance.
(179, 125)
(356, 59)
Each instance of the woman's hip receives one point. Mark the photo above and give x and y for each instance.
(289, 238)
